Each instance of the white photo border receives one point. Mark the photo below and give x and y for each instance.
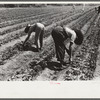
(46, 89)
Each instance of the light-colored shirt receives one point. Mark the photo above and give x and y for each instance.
(35, 27)
(71, 34)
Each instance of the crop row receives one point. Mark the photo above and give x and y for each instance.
(85, 59)
(43, 17)
(44, 63)
(72, 72)
(36, 68)
(18, 13)
(43, 51)
(10, 51)
(32, 12)
(30, 18)
(20, 33)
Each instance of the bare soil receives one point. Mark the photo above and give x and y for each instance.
(18, 63)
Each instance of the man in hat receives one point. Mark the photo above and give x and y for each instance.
(60, 35)
(38, 28)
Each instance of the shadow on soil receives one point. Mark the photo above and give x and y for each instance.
(29, 47)
(52, 65)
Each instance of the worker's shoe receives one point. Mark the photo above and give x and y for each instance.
(63, 63)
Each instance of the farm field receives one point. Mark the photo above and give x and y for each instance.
(26, 64)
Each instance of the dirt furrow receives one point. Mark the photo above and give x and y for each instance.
(20, 13)
(27, 18)
(15, 35)
(41, 62)
(97, 70)
(6, 49)
(37, 18)
(84, 63)
(68, 73)
(8, 52)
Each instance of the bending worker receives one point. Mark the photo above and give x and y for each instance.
(38, 28)
(60, 35)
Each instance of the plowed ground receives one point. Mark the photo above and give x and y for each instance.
(26, 64)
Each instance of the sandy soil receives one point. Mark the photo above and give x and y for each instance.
(26, 64)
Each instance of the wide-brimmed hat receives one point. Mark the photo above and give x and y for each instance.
(79, 38)
(27, 28)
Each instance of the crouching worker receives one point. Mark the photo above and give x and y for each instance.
(60, 35)
(38, 28)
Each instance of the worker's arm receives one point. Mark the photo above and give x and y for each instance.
(73, 37)
(70, 51)
(29, 33)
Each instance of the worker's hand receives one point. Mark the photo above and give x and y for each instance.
(22, 41)
(23, 44)
(70, 60)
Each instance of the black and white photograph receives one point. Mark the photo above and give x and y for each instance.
(49, 42)
(45, 42)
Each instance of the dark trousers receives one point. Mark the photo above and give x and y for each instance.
(59, 38)
(41, 38)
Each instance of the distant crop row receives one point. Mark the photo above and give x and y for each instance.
(18, 13)
(18, 25)
(20, 32)
(14, 51)
(30, 18)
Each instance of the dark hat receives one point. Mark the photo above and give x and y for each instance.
(27, 28)
(79, 38)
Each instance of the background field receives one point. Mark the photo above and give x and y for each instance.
(25, 64)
